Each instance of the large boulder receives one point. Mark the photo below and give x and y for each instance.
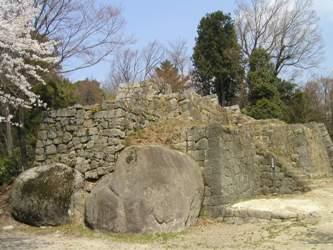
(45, 196)
(153, 189)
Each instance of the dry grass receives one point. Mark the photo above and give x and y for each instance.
(165, 132)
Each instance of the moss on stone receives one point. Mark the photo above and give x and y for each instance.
(47, 198)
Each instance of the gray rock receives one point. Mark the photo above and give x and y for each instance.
(42, 135)
(39, 151)
(84, 139)
(57, 141)
(52, 134)
(91, 175)
(62, 148)
(43, 196)
(93, 131)
(67, 138)
(153, 189)
(114, 133)
(51, 150)
(39, 144)
(82, 165)
(40, 158)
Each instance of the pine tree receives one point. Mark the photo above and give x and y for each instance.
(264, 96)
(217, 57)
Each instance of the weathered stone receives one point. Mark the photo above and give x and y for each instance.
(40, 151)
(202, 144)
(57, 141)
(99, 155)
(82, 165)
(104, 170)
(51, 134)
(89, 186)
(42, 135)
(114, 133)
(51, 150)
(42, 196)
(91, 175)
(110, 158)
(39, 144)
(49, 120)
(67, 138)
(114, 141)
(88, 123)
(40, 157)
(94, 164)
(62, 148)
(115, 149)
(198, 155)
(153, 189)
(71, 128)
(93, 131)
(76, 141)
(48, 142)
(90, 144)
(84, 139)
(234, 151)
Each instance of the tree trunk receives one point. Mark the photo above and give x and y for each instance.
(9, 134)
(21, 138)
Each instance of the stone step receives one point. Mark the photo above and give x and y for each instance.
(272, 209)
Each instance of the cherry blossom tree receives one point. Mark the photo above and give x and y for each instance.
(23, 58)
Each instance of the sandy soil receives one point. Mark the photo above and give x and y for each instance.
(206, 235)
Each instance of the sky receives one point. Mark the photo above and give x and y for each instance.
(172, 20)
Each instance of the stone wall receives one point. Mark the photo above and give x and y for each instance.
(242, 162)
(90, 139)
(228, 165)
(239, 157)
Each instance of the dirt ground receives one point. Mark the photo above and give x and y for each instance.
(207, 234)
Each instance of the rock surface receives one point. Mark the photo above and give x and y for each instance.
(294, 209)
(44, 195)
(240, 157)
(154, 189)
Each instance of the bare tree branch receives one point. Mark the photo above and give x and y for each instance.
(152, 55)
(177, 53)
(131, 66)
(287, 29)
(87, 32)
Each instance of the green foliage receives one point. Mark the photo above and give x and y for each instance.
(8, 167)
(261, 78)
(264, 88)
(217, 57)
(265, 109)
(57, 93)
(301, 109)
(287, 91)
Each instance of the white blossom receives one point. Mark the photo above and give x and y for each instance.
(22, 58)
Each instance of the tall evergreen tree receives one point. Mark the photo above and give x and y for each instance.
(264, 96)
(217, 57)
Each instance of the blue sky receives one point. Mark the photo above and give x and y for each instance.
(170, 20)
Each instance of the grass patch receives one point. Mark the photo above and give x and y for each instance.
(72, 230)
